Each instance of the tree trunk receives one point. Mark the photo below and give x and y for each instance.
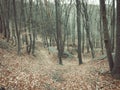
(3, 19)
(78, 7)
(106, 34)
(73, 29)
(87, 27)
(113, 27)
(7, 19)
(24, 22)
(59, 32)
(16, 27)
(30, 27)
(83, 40)
(101, 36)
(116, 69)
(1, 27)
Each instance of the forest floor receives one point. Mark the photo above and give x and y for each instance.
(42, 72)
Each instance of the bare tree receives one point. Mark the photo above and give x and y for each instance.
(106, 34)
(78, 7)
(116, 69)
(16, 27)
(58, 28)
(87, 27)
(113, 25)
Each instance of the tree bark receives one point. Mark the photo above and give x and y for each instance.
(58, 28)
(113, 27)
(106, 34)
(78, 7)
(87, 27)
(101, 36)
(16, 28)
(1, 27)
(116, 69)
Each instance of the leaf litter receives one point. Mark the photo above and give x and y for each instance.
(42, 72)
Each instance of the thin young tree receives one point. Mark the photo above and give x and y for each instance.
(78, 7)
(87, 28)
(58, 30)
(3, 19)
(113, 26)
(101, 35)
(16, 28)
(30, 25)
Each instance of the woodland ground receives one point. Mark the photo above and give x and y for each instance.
(42, 72)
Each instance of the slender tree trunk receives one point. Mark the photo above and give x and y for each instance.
(101, 36)
(113, 27)
(14, 38)
(24, 22)
(106, 34)
(83, 40)
(58, 28)
(16, 27)
(66, 30)
(34, 32)
(87, 45)
(73, 29)
(7, 19)
(30, 26)
(78, 7)
(1, 26)
(87, 27)
(3, 18)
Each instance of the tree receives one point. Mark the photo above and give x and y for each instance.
(101, 35)
(73, 27)
(66, 21)
(23, 24)
(34, 30)
(1, 26)
(116, 69)
(3, 18)
(106, 34)
(78, 7)
(87, 28)
(16, 27)
(7, 20)
(113, 26)
(58, 30)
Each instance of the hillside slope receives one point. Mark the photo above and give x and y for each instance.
(43, 73)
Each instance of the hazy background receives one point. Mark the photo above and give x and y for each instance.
(96, 2)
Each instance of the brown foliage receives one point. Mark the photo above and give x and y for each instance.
(42, 73)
